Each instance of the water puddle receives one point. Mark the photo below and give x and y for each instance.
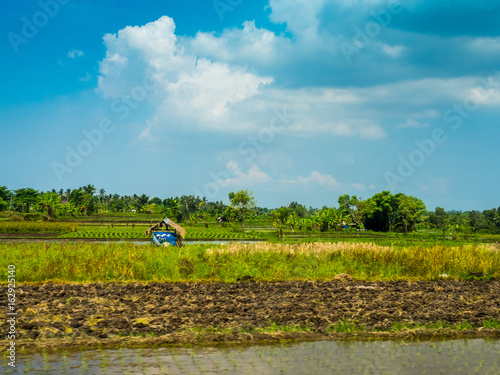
(456, 357)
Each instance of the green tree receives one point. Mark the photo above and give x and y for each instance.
(76, 197)
(4, 193)
(351, 206)
(329, 218)
(3, 204)
(293, 221)
(242, 202)
(173, 209)
(5, 198)
(67, 194)
(491, 219)
(25, 199)
(378, 212)
(83, 198)
(476, 220)
(102, 194)
(50, 202)
(71, 209)
(299, 209)
(189, 204)
(439, 218)
(142, 201)
(89, 204)
(155, 200)
(409, 210)
(117, 205)
(281, 215)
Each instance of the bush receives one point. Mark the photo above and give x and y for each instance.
(33, 217)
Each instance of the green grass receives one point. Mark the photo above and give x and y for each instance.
(36, 227)
(111, 232)
(135, 231)
(348, 326)
(93, 262)
(115, 216)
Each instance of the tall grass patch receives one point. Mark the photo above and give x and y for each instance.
(36, 227)
(91, 262)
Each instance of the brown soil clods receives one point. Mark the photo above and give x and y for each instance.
(102, 311)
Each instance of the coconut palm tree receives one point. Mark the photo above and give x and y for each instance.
(102, 192)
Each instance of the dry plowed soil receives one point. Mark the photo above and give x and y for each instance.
(106, 311)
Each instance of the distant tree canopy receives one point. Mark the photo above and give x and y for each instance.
(383, 211)
(241, 203)
(4, 193)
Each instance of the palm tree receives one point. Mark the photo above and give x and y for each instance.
(142, 200)
(68, 192)
(90, 189)
(88, 199)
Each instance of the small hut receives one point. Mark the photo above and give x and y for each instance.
(166, 237)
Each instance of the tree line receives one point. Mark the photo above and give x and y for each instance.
(382, 212)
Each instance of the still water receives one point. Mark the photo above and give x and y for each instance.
(455, 357)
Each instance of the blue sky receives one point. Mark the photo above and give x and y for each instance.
(295, 100)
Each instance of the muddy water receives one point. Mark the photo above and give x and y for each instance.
(456, 357)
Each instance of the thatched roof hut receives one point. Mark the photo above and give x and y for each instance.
(168, 224)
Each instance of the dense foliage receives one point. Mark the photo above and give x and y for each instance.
(383, 211)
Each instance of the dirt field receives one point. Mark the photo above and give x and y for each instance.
(105, 311)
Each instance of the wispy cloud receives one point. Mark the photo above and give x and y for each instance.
(411, 123)
(256, 177)
(75, 54)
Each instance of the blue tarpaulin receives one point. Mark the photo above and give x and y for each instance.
(164, 238)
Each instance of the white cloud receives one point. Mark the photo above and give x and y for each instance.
(214, 81)
(300, 16)
(247, 45)
(255, 177)
(146, 132)
(212, 88)
(487, 46)
(393, 51)
(191, 87)
(75, 54)
(319, 179)
(372, 131)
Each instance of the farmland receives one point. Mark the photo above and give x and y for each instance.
(98, 283)
(107, 313)
(128, 262)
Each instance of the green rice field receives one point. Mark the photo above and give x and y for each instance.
(89, 262)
